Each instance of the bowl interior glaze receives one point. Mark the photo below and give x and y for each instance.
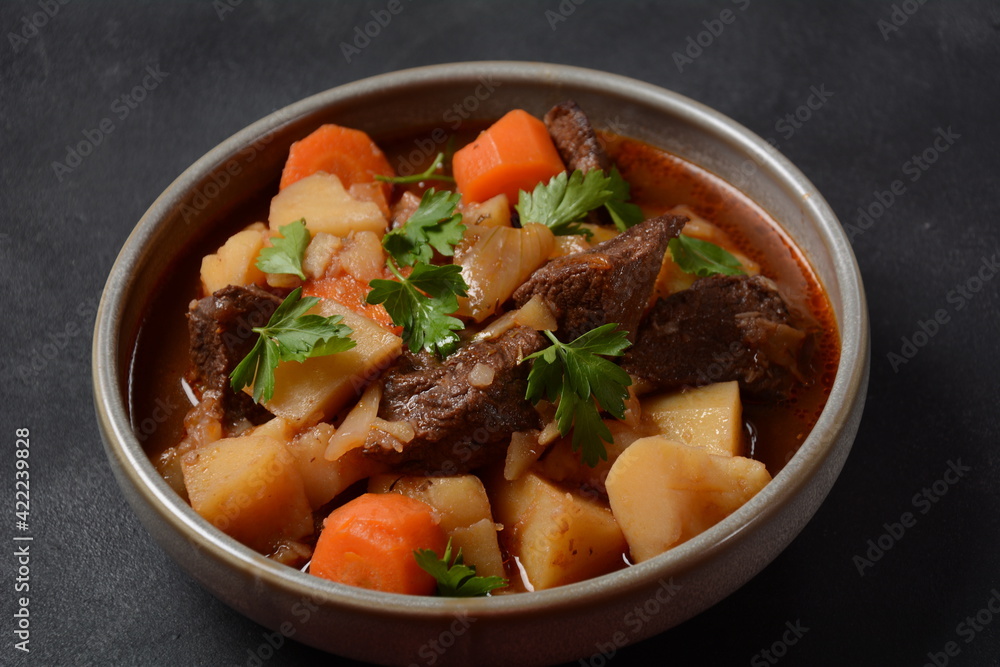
(537, 628)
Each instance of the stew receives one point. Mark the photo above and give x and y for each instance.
(566, 349)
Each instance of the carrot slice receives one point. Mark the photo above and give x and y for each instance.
(348, 291)
(349, 154)
(369, 542)
(515, 153)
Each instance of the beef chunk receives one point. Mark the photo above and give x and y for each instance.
(220, 327)
(723, 328)
(459, 424)
(611, 282)
(575, 139)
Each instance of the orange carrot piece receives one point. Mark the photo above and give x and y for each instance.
(348, 291)
(515, 153)
(369, 542)
(348, 154)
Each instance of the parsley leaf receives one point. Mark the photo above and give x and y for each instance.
(285, 253)
(434, 225)
(703, 258)
(563, 202)
(290, 335)
(426, 175)
(454, 578)
(576, 374)
(623, 213)
(422, 304)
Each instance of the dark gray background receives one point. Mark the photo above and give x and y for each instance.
(103, 593)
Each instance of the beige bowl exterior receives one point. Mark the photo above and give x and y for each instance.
(557, 625)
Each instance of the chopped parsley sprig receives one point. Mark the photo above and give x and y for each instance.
(286, 251)
(623, 213)
(436, 224)
(454, 578)
(703, 258)
(290, 335)
(563, 202)
(583, 381)
(422, 304)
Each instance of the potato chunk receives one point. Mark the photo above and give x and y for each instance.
(562, 464)
(664, 492)
(480, 547)
(494, 212)
(235, 263)
(324, 479)
(250, 488)
(326, 207)
(558, 537)
(709, 416)
(314, 390)
(464, 509)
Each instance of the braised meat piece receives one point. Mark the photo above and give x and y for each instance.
(575, 138)
(722, 328)
(463, 409)
(221, 333)
(611, 282)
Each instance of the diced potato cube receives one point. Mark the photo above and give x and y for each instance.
(709, 416)
(562, 464)
(319, 253)
(664, 492)
(326, 207)
(314, 390)
(277, 428)
(522, 453)
(362, 256)
(494, 212)
(480, 548)
(558, 537)
(464, 510)
(460, 500)
(235, 263)
(250, 488)
(324, 480)
(374, 192)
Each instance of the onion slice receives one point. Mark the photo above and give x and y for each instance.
(354, 431)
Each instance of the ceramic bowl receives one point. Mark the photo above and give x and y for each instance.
(543, 627)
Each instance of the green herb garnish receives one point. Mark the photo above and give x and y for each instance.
(286, 251)
(455, 579)
(577, 374)
(427, 175)
(563, 202)
(623, 213)
(290, 335)
(422, 304)
(435, 225)
(703, 258)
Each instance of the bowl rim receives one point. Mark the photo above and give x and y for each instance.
(134, 467)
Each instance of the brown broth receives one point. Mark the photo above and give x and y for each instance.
(659, 181)
(158, 402)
